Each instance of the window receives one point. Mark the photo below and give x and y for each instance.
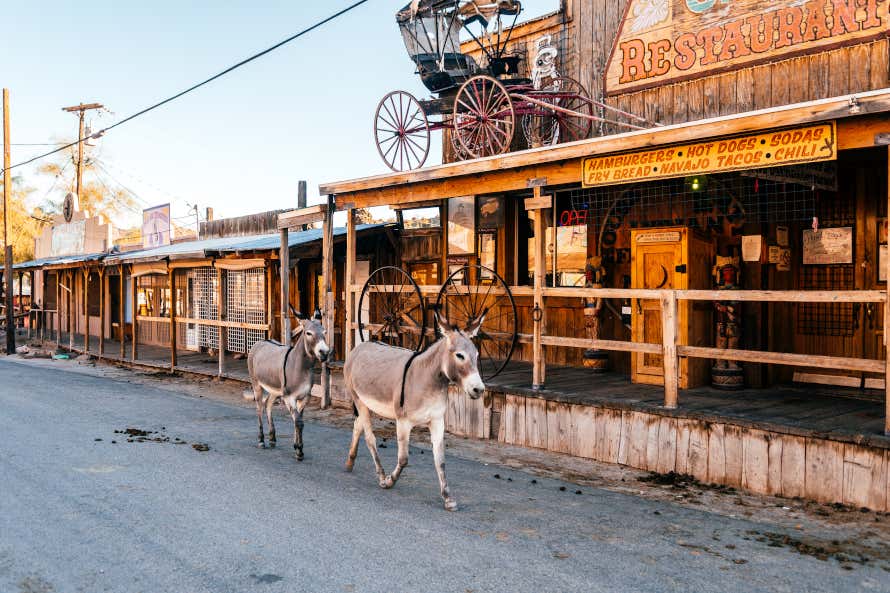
(93, 294)
(571, 241)
(425, 273)
(422, 218)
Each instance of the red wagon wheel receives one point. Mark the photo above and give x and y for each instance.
(471, 292)
(483, 117)
(391, 309)
(402, 131)
(547, 127)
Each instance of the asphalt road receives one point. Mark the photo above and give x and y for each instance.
(81, 514)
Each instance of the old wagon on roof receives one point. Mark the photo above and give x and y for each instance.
(481, 103)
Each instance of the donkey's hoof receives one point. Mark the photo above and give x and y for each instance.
(261, 445)
(450, 505)
(272, 444)
(387, 482)
(299, 456)
(349, 465)
(382, 482)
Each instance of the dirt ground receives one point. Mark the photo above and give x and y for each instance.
(847, 535)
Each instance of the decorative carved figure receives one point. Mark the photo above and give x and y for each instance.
(594, 359)
(727, 374)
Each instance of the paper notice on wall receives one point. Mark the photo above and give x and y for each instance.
(828, 246)
(782, 236)
(784, 263)
(775, 253)
(882, 263)
(752, 246)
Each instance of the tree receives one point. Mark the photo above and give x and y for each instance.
(97, 195)
(24, 223)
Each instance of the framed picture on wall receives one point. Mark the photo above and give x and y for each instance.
(461, 225)
(488, 251)
(491, 212)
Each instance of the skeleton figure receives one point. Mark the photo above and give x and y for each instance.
(544, 68)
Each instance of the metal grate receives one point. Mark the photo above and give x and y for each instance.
(245, 303)
(827, 319)
(203, 304)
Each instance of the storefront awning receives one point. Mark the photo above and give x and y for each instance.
(858, 116)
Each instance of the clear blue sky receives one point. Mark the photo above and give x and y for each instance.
(239, 144)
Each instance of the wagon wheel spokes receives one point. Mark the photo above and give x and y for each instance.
(468, 294)
(402, 131)
(483, 117)
(390, 309)
(545, 127)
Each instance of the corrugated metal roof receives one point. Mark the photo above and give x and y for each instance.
(210, 247)
(198, 249)
(57, 260)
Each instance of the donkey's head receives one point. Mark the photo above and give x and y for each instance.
(460, 365)
(313, 336)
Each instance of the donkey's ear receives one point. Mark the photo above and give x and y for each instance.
(318, 314)
(296, 313)
(295, 333)
(472, 329)
(445, 328)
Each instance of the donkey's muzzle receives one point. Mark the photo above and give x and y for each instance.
(476, 391)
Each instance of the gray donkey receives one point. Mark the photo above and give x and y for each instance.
(286, 372)
(411, 389)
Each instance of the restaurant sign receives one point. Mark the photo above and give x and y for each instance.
(663, 41)
(755, 151)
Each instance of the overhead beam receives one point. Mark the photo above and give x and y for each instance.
(296, 218)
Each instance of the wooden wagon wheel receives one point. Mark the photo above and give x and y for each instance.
(473, 291)
(551, 126)
(391, 310)
(402, 131)
(484, 117)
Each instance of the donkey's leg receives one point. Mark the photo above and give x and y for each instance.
(403, 434)
(364, 414)
(437, 436)
(298, 427)
(258, 400)
(270, 402)
(290, 402)
(357, 427)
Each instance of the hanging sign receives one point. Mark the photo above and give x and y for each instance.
(156, 228)
(770, 149)
(664, 41)
(828, 246)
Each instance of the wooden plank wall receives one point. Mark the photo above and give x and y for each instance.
(589, 29)
(755, 460)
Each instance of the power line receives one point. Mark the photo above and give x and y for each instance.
(193, 87)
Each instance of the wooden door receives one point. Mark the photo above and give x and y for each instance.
(655, 267)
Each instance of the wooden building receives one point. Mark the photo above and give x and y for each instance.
(744, 235)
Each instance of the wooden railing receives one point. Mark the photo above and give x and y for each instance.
(671, 350)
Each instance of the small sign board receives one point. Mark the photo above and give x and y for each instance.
(539, 203)
(659, 237)
(828, 246)
(157, 229)
(754, 151)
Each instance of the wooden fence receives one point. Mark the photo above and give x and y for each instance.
(671, 351)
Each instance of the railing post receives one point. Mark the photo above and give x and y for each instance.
(284, 282)
(134, 280)
(172, 280)
(886, 331)
(327, 296)
(122, 312)
(221, 330)
(349, 305)
(669, 348)
(539, 365)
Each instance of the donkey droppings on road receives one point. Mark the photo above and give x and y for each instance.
(285, 371)
(412, 389)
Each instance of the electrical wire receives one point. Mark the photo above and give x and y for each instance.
(193, 87)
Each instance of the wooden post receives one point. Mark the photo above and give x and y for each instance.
(101, 312)
(349, 280)
(669, 349)
(122, 312)
(172, 281)
(539, 203)
(222, 314)
(72, 320)
(284, 278)
(134, 350)
(887, 326)
(86, 311)
(327, 250)
(58, 307)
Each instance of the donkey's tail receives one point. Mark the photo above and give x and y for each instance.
(247, 394)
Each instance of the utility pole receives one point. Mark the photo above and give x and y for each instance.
(80, 110)
(7, 182)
